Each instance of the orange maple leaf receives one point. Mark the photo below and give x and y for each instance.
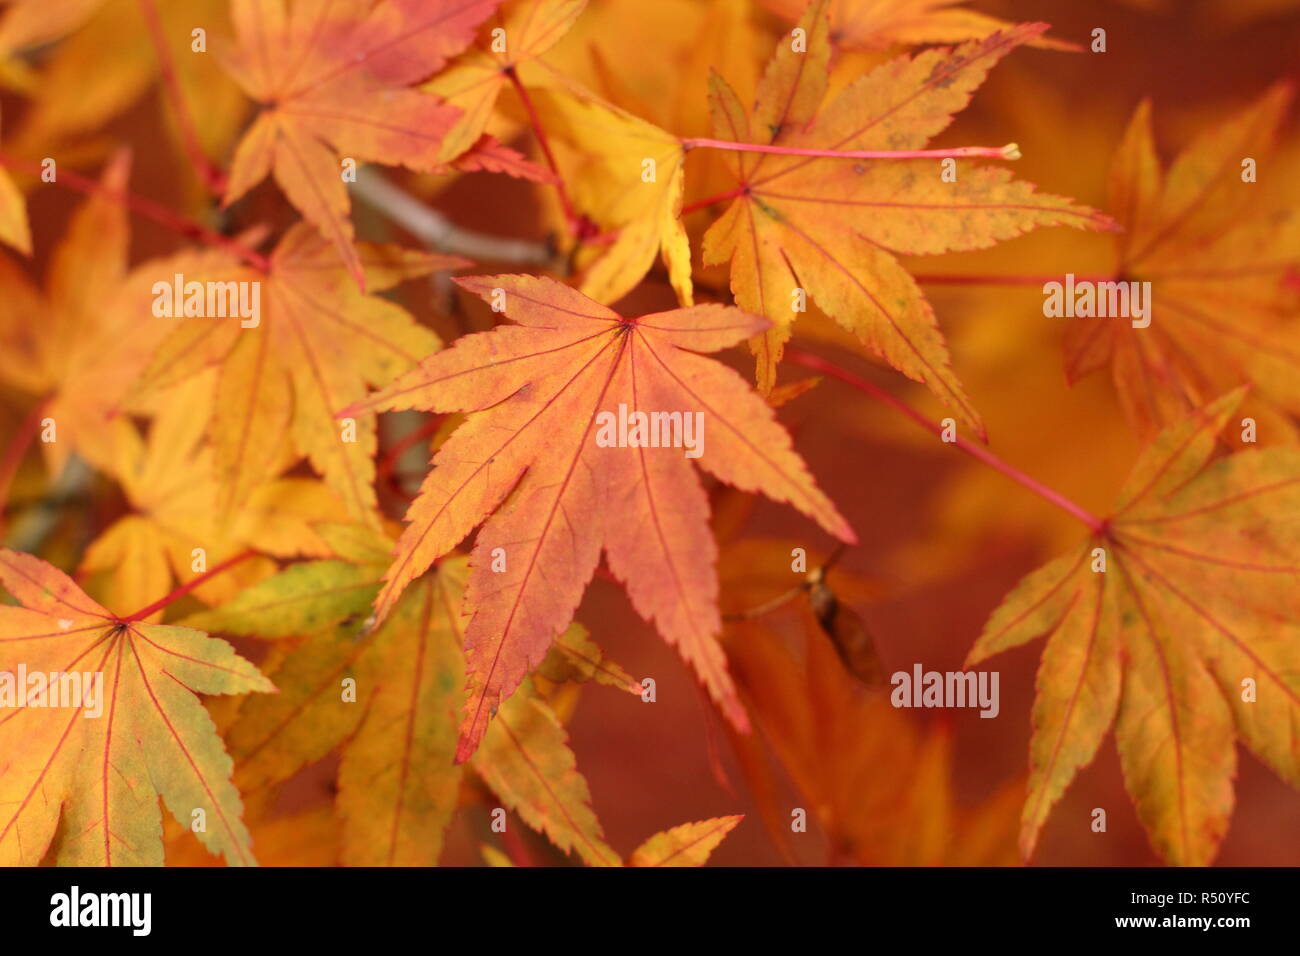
(1222, 270)
(335, 82)
(827, 226)
(536, 392)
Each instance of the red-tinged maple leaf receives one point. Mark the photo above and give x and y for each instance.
(335, 82)
(127, 730)
(544, 397)
(316, 344)
(1178, 624)
(829, 226)
(489, 155)
(1222, 301)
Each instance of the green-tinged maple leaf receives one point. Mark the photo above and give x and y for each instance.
(576, 658)
(689, 844)
(831, 226)
(335, 82)
(398, 781)
(97, 777)
(1178, 625)
(535, 393)
(318, 342)
(1223, 296)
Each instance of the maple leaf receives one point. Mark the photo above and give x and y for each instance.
(115, 36)
(1159, 625)
(521, 30)
(576, 658)
(170, 486)
(877, 24)
(317, 343)
(98, 779)
(689, 844)
(535, 392)
(1223, 294)
(335, 83)
(81, 358)
(828, 226)
(526, 760)
(627, 177)
(398, 782)
(397, 785)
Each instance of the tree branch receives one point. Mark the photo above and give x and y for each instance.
(435, 229)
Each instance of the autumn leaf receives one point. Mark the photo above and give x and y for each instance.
(526, 760)
(316, 344)
(689, 844)
(82, 355)
(337, 87)
(576, 658)
(537, 391)
(1177, 624)
(169, 484)
(66, 113)
(97, 777)
(1222, 269)
(877, 24)
(627, 177)
(398, 782)
(518, 32)
(829, 227)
